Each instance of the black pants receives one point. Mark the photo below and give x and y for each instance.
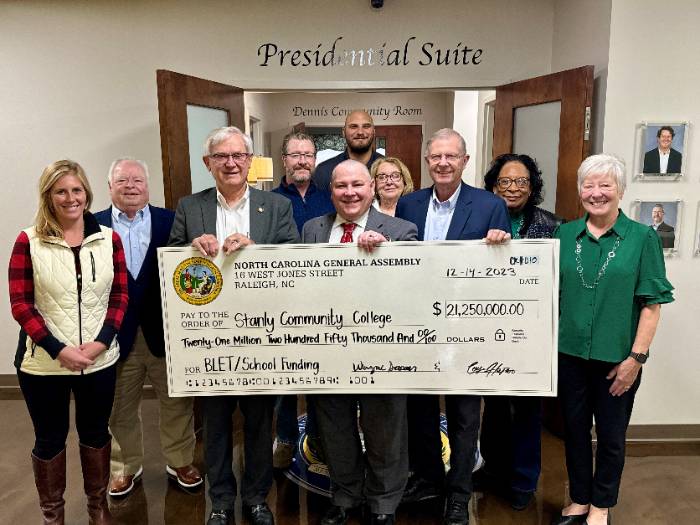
(48, 401)
(463, 415)
(584, 395)
(217, 412)
(511, 438)
(424, 441)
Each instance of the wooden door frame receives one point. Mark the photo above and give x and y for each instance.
(574, 88)
(415, 165)
(175, 93)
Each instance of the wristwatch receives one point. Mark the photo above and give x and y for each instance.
(640, 358)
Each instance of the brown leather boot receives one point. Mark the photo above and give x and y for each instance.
(50, 478)
(95, 463)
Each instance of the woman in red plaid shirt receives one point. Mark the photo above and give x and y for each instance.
(68, 292)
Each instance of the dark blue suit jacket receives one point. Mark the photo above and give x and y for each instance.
(144, 291)
(476, 212)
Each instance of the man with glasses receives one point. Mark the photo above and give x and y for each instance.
(450, 210)
(299, 160)
(143, 228)
(229, 217)
(359, 135)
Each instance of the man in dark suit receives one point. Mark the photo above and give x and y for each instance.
(228, 218)
(666, 232)
(663, 159)
(143, 228)
(450, 210)
(359, 135)
(379, 478)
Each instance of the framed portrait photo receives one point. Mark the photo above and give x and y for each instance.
(661, 152)
(664, 217)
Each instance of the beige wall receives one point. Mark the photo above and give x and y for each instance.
(581, 36)
(653, 76)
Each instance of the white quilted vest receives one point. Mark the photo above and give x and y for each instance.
(71, 319)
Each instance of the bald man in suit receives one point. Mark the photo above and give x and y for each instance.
(380, 477)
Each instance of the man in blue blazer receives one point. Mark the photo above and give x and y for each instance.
(143, 228)
(449, 210)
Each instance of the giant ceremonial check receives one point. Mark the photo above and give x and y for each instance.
(440, 317)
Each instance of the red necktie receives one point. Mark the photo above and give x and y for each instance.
(348, 228)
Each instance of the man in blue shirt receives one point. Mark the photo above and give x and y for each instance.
(359, 135)
(449, 210)
(143, 228)
(299, 159)
(308, 202)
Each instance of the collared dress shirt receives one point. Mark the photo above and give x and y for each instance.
(135, 235)
(337, 228)
(232, 219)
(663, 161)
(601, 323)
(437, 221)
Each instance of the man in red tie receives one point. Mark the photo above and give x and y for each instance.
(380, 478)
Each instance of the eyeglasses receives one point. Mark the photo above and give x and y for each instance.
(222, 158)
(296, 156)
(121, 181)
(449, 157)
(505, 183)
(394, 176)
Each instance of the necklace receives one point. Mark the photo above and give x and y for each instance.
(601, 272)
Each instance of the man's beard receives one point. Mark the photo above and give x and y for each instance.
(359, 150)
(298, 178)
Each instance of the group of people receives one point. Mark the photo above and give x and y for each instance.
(71, 273)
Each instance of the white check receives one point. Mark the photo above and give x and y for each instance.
(416, 317)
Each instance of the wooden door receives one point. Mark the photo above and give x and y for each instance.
(404, 142)
(574, 90)
(175, 93)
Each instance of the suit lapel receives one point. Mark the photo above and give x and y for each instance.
(209, 212)
(421, 212)
(323, 234)
(259, 215)
(463, 210)
(110, 222)
(374, 220)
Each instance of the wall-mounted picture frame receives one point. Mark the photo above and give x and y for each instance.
(665, 217)
(661, 150)
(696, 239)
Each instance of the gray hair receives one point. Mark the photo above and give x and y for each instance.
(350, 163)
(603, 164)
(117, 162)
(446, 133)
(219, 135)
